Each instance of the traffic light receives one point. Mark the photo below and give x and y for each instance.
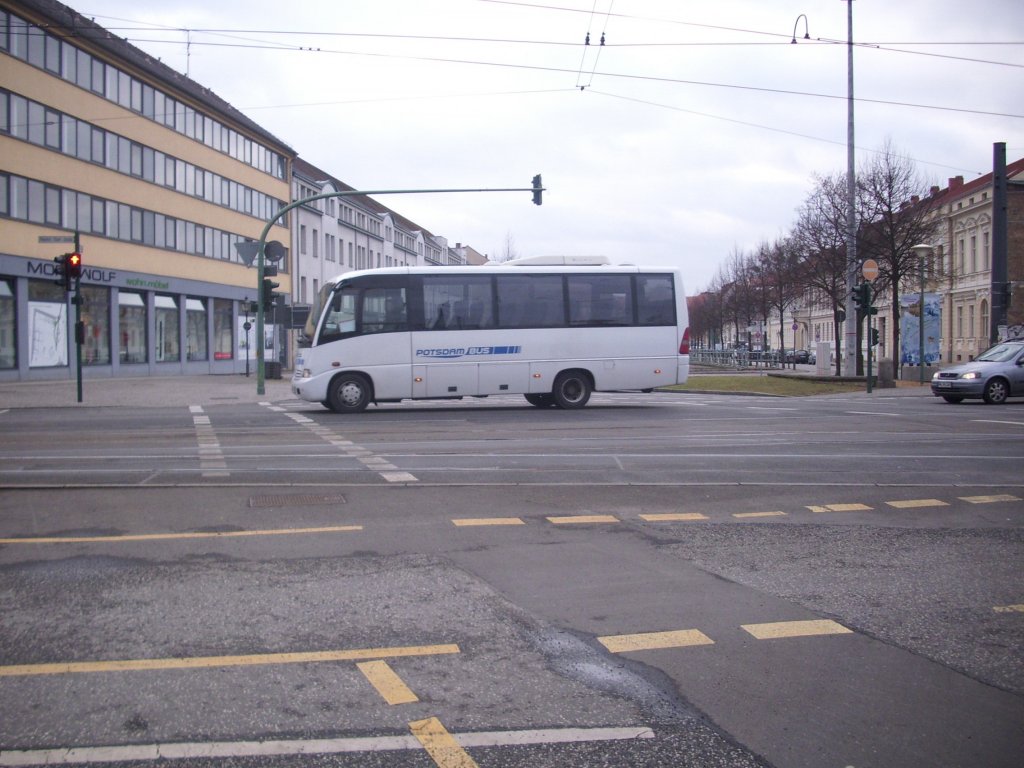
(267, 295)
(60, 272)
(538, 188)
(873, 338)
(74, 266)
(860, 297)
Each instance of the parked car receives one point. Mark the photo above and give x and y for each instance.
(801, 356)
(996, 374)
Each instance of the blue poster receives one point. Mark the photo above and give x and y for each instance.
(910, 324)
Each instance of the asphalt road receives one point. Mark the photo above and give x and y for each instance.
(661, 580)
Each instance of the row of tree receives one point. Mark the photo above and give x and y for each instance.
(895, 210)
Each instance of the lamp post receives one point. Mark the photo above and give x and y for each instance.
(922, 251)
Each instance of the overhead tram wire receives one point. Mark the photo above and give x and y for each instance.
(290, 47)
(586, 47)
(881, 46)
(761, 126)
(600, 46)
(647, 78)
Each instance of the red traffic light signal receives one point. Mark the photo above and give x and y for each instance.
(73, 265)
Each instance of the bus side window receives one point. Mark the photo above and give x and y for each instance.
(383, 310)
(655, 299)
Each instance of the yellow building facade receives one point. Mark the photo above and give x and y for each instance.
(154, 177)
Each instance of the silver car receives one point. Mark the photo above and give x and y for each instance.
(996, 374)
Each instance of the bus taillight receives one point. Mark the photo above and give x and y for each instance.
(684, 345)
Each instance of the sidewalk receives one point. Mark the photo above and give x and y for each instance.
(159, 391)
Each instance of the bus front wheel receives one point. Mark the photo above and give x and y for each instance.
(572, 389)
(349, 393)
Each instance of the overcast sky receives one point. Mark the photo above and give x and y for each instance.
(693, 133)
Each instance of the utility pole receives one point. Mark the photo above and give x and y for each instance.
(851, 352)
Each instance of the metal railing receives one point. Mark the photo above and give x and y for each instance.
(735, 358)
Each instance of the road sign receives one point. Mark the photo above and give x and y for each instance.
(869, 269)
(56, 238)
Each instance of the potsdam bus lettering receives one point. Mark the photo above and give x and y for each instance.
(467, 352)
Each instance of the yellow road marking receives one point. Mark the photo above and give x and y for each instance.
(583, 519)
(203, 662)
(674, 516)
(186, 535)
(841, 508)
(646, 641)
(914, 503)
(779, 629)
(1008, 608)
(759, 514)
(988, 499)
(388, 684)
(464, 521)
(440, 745)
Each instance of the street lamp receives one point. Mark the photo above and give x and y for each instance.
(922, 251)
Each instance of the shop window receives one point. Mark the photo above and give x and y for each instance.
(195, 329)
(96, 316)
(47, 325)
(131, 310)
(223, 341)
(8, 327)
(168, 329)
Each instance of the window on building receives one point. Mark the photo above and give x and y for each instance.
(195, 329)
(8, 325)
(168, 329)
(223, 324)
(984, 318)
(47, 325)
(131, 312)
(96, 317)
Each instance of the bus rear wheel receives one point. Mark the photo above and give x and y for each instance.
(572, 389)
(348, 393)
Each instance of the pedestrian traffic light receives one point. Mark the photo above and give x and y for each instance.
(74, 266)
(538, 188)
(267, 295)
(873, 338)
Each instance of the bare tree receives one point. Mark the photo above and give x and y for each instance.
(896, 213)
(819, 238)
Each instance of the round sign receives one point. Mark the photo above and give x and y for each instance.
(869, 269)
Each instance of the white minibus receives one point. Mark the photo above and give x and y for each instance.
(554, 332)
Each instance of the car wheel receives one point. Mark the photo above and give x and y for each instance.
(544, 400)
(572, 389)
(996, 391)
(952, 399)
(348, 393)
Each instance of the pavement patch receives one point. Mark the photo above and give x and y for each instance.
(783, 629)
(647, 641)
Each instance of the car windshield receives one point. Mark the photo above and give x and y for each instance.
(1000, 353)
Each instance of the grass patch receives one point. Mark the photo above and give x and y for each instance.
(766, 385)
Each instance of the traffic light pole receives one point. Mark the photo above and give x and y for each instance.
(261, 388)
(77, 301)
